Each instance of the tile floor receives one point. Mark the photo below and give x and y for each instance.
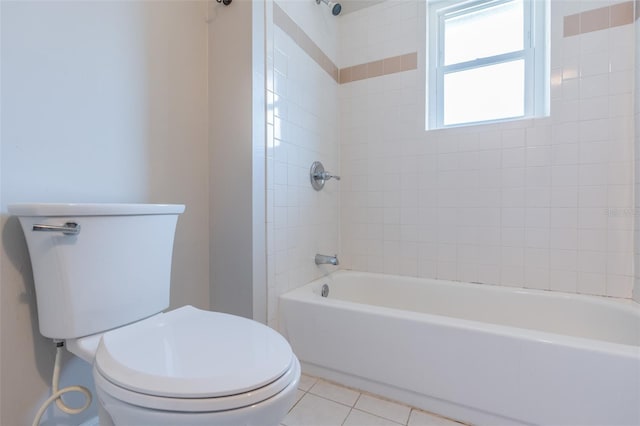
(321, 403)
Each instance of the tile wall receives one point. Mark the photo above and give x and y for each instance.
(539, 203)
(303, 126)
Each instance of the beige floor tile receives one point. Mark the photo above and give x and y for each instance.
(312, 410)
(299, 395)
(321, 403)
(335, 393)
(306, 382)
(389, 410)
(360, 418)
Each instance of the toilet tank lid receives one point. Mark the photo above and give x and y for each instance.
(92, 209)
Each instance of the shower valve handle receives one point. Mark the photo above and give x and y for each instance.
(325, 176)
(319, 176)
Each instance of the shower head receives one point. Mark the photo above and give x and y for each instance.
(335, 7)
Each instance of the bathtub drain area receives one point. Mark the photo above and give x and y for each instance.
(325, 290)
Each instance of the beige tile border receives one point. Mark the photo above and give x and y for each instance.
(602, 18)
(385, 66)
(591, 20)
(344, 75)
(297, 34)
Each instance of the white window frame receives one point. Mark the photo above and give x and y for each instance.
(535, 53)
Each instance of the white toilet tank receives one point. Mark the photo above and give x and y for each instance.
(114, 271)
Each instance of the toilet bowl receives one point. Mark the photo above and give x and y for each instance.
(101, 274)
(190, 366)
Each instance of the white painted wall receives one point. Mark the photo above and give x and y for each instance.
(237, 134)
(101, 102)
(636, 288)
(259, 160)
(1, 261)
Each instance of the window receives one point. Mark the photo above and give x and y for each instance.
(488, 61)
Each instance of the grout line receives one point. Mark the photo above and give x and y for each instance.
(331, 400)
(357, 399)
(380, 417)
(304, 393)
(345, 419)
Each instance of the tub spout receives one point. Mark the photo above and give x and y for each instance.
(322, 259)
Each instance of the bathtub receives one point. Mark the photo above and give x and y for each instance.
(477, 353)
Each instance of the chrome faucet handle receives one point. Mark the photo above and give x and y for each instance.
(325, 176)
(319, 176)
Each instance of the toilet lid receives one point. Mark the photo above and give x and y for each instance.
(191, 353)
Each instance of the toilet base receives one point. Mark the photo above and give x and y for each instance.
(104, 419)
(93, 421)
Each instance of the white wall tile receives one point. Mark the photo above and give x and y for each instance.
(619, 285)
(591, 283)
(560, 280)
(539, 187)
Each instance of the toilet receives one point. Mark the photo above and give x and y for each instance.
(102, 280)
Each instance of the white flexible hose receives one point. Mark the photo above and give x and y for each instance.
(57, 393)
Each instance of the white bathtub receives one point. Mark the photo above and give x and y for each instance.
(477, 353)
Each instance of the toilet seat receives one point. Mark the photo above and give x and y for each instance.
(193, 405)
(194, 360)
